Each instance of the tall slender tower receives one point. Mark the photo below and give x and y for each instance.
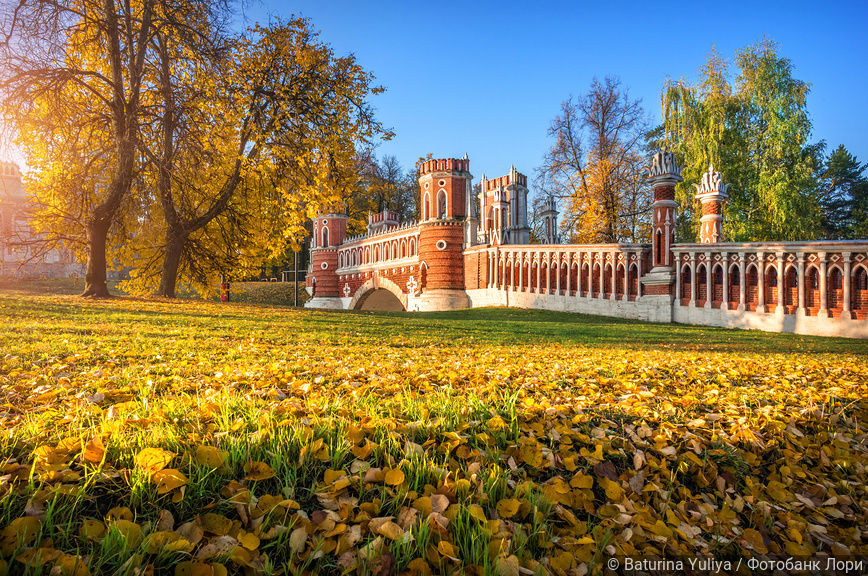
(329, 232)
(504, 208)
(445, 187)
(549, 215)
(664, 174)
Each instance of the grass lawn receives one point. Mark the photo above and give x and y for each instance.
(142, 436)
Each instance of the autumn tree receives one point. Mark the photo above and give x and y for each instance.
(379, 184)
(596, 163)
(755, 130)
(72, 79)
(248, 148)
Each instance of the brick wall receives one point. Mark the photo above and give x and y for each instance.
(446, 266)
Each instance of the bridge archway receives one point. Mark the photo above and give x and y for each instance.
(379, 294)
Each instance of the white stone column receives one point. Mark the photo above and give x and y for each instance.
(845, 309)
(492, 263)
(742, 288)
(824, 306)
(709, 286)
(614, 295)
(761, 283)
(676, 256)
(558, 279)
(538, 272)
(692, 280)
(590, 289)
(569, 274)
(639, 273)
(602, 293)
(781, 284)
(502, 256)
(512, 273)
(724, 259)
(520, 272)
(626, 296)
(548, 275)
(802, 308)
(579, 277)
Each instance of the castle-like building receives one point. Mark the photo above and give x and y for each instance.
(456, 258)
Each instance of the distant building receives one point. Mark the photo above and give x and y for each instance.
(22, 252)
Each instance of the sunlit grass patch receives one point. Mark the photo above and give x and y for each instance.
(144, 435)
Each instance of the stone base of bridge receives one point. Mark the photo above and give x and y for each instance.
(439, 300)
(326, 302)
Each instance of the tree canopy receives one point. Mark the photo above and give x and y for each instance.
(182, 149)
(595, 166)
(755, 129)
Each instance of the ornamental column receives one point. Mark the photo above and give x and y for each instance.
(802, 308)
(845, 309)
(663, 175)
(711, 192)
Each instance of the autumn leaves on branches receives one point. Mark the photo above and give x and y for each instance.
(159, 139)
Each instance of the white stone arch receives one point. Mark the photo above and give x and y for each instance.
(426, 207)
(315, 237)
(403, 248)
(395, 249)
(374, 283)
(367, 259)
(412, 246)
(340, 259)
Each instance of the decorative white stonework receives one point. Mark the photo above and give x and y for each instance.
(663, 165)
(441, 244)
(412, 285)
(711, 191)
(711, 183)
(347, 290)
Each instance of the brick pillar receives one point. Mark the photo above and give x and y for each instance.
(711, 192)
(656, 297)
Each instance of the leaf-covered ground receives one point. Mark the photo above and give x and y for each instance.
(145, 437)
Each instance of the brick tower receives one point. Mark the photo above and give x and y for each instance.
(712, 193)
(504, 208)
(445, 190)
(664, 174)
(329, 232)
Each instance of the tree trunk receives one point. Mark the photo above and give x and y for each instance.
(95, 277)
(171, 263)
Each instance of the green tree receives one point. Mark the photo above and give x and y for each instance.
(755, 131)
(843, 194)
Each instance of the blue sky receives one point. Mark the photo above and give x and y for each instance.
(486, 78)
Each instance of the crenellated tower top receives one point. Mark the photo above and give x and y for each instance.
(445, 188)
(445, 165)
